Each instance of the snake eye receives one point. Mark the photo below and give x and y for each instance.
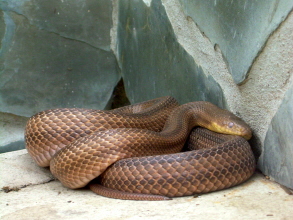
(230, 124)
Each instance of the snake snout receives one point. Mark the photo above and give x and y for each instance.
(247, 133)
(237, 126)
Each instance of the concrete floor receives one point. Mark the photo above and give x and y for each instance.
(36, 195)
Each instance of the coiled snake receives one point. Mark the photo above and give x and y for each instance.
(134, 150)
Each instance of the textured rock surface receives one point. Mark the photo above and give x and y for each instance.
(53, 57)
(239, 27)
(54, 54)
(269, 79)
(153, 63)
(89, 21)
(276, 159)
(12, 132)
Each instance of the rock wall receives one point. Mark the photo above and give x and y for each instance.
(53, 54)
(236, 54)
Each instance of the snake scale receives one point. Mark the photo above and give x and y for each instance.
(134, 152)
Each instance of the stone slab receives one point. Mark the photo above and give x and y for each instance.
(258, 198)
(11, 132)
(54, 55)
(153, 63)
(240, 28)
(276, 158)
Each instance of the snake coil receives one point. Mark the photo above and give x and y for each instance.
(135, 150)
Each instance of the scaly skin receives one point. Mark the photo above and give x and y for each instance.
(80, 144)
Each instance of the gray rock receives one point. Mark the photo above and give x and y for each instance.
(11, 132)
(276, 158)
(89, 21)
(240, 28)
(153, 63)
(54, 55)
(13, 146)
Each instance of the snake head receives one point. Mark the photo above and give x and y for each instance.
(224, 121)
(232, 125)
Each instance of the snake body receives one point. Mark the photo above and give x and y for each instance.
(217, 162)
(80, 144)
(49, 131)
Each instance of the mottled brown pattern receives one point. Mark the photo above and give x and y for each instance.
(80, 144)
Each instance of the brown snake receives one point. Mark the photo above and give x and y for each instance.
(80, 145)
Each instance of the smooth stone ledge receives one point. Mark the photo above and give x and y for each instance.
(41, 197)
